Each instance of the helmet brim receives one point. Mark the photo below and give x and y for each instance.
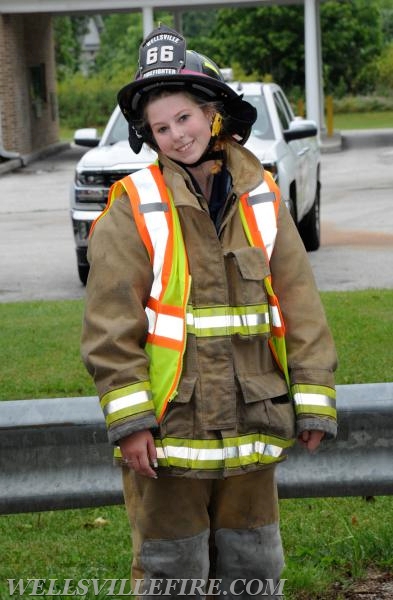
(197, 83)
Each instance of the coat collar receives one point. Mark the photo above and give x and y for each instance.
(243, 165)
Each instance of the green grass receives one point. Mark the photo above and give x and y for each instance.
(357, 120)
(44, 337)
(328, 542)
(366, 120)
(39, 351)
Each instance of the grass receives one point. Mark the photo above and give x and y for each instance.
(366, 120)
(328, 541)
(44, 337)
(357, 120)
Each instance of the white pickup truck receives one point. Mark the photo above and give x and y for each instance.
(286, 145)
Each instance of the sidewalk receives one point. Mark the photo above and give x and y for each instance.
(356, 138)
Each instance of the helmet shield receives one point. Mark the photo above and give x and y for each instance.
(162, 53)
(165, 62)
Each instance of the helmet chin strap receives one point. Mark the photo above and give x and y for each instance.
(206, 156)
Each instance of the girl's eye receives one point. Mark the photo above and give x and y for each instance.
(183, 117)
(162, 129)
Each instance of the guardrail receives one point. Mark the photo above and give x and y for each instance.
(54, 453)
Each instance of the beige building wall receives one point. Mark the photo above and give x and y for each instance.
(28, 106)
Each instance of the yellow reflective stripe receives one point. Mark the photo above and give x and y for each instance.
(220, 454)
(314, 399)
(228, 320)
(126, 401)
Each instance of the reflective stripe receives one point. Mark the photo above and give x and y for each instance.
(221, 454)
(169, 326)
(156, 223)
(228, 320)
(262, 201)
(258, 198)
(126, 401)
(314, 400)
(152, 207)
(276, 318)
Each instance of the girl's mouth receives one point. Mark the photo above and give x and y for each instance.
(184, 148)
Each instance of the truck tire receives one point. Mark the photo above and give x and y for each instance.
(310, 225)
(83, 271)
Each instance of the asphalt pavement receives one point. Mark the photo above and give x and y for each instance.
(36, 241)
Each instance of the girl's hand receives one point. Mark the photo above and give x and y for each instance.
(139, 453)
(311, 439)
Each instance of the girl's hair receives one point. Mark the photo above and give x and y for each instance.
(216, 107)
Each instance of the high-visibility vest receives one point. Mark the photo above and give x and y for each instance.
(170, 317)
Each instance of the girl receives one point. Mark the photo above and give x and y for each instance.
(204, 333)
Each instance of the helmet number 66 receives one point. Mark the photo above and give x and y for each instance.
(165, 54)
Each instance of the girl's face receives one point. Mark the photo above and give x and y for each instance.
(180, 127)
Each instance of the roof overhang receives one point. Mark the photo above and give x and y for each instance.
(102, 6)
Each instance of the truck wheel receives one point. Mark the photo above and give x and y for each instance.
(83, 271)
(310, 225)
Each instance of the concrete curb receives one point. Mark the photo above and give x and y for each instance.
(26, 159)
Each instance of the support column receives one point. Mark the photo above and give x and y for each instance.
(178, 20)
(311, 62)
(148, 20)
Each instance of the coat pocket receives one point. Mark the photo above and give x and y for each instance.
(246, 270)
(179, 418)
(264, 405)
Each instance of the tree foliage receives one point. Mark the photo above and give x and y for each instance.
(68, 32)
(264, 42)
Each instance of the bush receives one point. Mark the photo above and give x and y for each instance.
(362, 104)
(88, 101)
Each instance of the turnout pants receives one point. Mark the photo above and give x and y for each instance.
(205, 537)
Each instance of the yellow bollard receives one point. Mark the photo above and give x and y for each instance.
(300, 107)
(329, 115)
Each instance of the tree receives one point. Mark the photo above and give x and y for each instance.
(68, 32)
(351, 41)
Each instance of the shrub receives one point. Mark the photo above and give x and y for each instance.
(87, 101)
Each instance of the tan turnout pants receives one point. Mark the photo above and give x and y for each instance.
(191, 535)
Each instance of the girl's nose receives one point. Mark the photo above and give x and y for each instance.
(177, 132)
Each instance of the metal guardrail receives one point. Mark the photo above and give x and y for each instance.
(54, 453)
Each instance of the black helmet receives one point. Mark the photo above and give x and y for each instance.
(165, 62)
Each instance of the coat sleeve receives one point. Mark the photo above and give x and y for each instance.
(115, 324)
(310, 348)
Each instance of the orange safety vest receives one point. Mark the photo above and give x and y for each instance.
(158, 225)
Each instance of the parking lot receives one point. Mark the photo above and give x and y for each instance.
(37, 248)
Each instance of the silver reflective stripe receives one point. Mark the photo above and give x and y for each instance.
(152, 207)
(187, 453)
(302, 398)
(275, 316)
(126, 402)
(151, 318)
(258, 198)
(264, 214)
(170, 327)
(156, 222)
(227, 321)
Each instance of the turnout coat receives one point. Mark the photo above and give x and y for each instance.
(233, 410)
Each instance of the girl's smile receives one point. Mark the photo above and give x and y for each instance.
(180, 127)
